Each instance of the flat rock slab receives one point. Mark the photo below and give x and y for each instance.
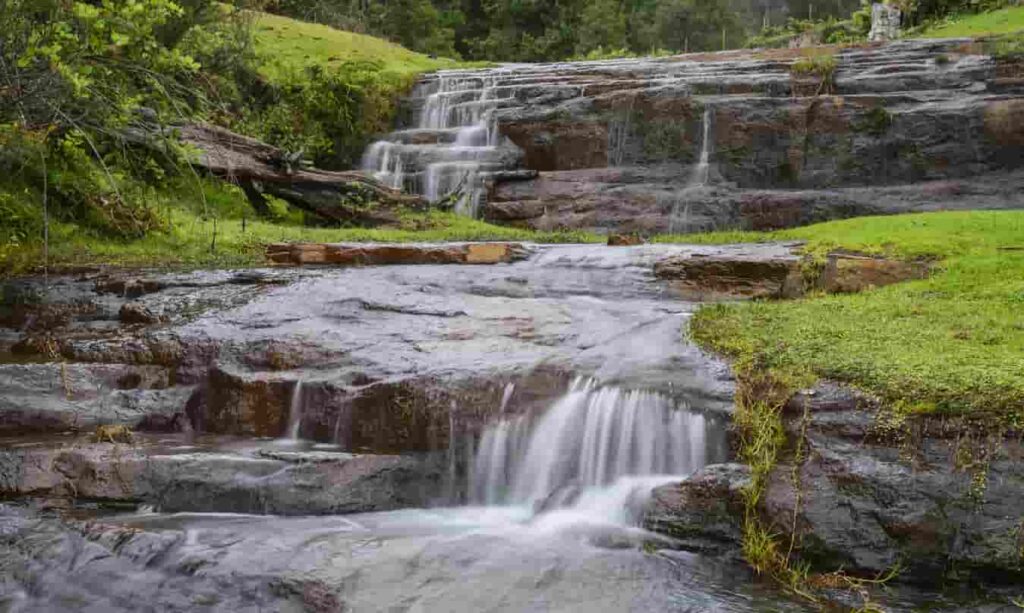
(361, 254)
(174, 474)
(778, 271)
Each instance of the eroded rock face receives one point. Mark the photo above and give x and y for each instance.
(726, 140)
(941, 500)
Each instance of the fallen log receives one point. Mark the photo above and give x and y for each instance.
(349, 197)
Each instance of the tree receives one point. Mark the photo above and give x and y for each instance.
(603, 25)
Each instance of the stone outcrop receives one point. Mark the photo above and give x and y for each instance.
(737, 139)
(365, 254)
(937, 498)
(219, 478)
(703, 513)
(778, 271)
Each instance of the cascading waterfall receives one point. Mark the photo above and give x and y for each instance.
(453, 144)
(680, 218)
(591, 441)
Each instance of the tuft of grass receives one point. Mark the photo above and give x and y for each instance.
(819, 65)
(1004, 21)
(950, 344)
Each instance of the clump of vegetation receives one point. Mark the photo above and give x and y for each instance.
(820, 66)
(112, 434)
(876, 121)
(828, 31)
(950, 344)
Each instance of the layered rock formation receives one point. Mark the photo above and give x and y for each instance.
(739, 139)
(934, 498)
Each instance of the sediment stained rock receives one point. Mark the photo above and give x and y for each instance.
(362, 254)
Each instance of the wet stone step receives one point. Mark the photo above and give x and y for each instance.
(389, 254)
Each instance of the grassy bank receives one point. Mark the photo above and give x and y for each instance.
(1004, 21)
(212, 224)
(285, 45)
(951, 344)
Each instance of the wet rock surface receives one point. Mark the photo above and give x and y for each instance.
(176, 474)
(703, 513)
(718, 140)
(941, 498)
(937, 499)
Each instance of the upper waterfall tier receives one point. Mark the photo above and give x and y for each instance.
(716, 140)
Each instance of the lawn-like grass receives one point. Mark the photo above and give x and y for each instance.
(953, 343)
(286, 45)
(1003, 21)
(212, 225)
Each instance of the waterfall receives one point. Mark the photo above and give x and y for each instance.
(702, 173)
(588, 441)
(295, 412)
(679, 220)
(454, 143)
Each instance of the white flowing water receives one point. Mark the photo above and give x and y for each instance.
(702, 172)
(680, 218)
(454, 143)
(295, 412)
(597, 449)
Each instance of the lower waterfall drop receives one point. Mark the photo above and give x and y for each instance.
(596, 446)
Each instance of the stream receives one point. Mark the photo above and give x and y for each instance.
(531, 501)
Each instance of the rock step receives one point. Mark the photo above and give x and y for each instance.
(730, 276)
(175, 474)
(360, 254)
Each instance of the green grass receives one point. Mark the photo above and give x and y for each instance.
(206, 229)
(951, 344)
(285, 45)
(1004, 21)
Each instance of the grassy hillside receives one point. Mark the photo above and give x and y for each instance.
(1005, 21)
(953, 343)
(285, 45)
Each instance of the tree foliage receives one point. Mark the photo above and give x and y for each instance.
(535, 30)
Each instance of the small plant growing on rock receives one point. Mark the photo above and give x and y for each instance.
(112, 434)
(821, 66)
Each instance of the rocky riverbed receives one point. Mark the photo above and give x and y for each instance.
(415, 422)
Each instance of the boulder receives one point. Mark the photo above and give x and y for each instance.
(705, 512)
